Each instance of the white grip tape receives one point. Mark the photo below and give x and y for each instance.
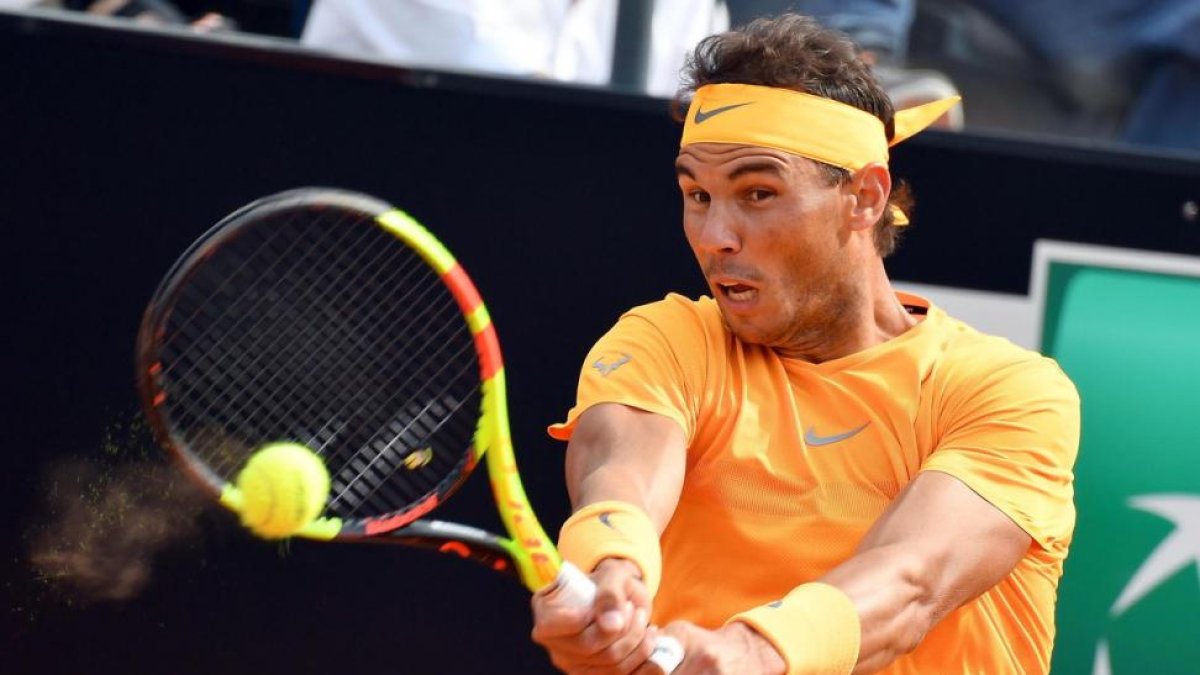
(574, 588)
(667, 654)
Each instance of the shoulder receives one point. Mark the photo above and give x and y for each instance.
(676, 315)
(676, 307)
(973, 363)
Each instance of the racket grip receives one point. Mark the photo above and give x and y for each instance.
(576, 589)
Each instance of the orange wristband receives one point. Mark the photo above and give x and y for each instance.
(612, 529)
(815, 628)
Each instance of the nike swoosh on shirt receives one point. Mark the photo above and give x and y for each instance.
(702, 115)
(811, 437)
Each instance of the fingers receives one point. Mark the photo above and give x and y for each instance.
(608, 637)
(733, 648)
(553, 619)
(637, 660)
(598, 645)
(685, 634)
(618, 587)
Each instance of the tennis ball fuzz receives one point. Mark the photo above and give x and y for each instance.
(284, 487)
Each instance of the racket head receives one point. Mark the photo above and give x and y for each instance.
(331, 319)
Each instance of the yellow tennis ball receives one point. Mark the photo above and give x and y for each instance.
(284, 486)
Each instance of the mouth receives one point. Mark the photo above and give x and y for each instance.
(735, 290)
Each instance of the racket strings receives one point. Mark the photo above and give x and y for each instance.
(367, 478)
(377, 360)
(215, 374)
(303, 350)
(250, 265)
(365, 481)
(228, 319)
(285, 339)
(277, 335)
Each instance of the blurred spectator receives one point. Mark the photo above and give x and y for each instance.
(1126, 70)
(511, 38)
(1139, 59)
(879, 27)
(569, 40)
(146, 12)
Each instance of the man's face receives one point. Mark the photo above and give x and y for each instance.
(768, 232)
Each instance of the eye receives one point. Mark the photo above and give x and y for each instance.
(758, 194)
(698, 196)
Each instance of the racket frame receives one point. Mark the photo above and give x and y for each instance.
(527, 552)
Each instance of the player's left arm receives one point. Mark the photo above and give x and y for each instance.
(937, 547)
(999, 483)
(915, 565)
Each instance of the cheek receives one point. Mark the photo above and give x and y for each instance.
(802, 265)
(789, 246)
(691, 233)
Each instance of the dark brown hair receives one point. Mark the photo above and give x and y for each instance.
(795, 52)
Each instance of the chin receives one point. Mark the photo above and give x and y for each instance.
(746, 332)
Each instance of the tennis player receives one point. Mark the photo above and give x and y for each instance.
(809, 472)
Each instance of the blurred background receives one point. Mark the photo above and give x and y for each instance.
(1058, 206)
(1119, 71)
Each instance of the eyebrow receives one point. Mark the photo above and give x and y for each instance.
(755, 167)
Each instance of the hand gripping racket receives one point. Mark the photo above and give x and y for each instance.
(334, 320)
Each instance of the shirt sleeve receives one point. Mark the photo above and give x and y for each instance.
(1012, 436)
(653, 359)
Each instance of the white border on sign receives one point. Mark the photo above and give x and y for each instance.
(1046, 252)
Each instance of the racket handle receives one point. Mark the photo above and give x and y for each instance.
(577, 590)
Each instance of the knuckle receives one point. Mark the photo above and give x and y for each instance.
(609, 588)
(591, 643)
(643, 650)
(613, 654)
(706, 658)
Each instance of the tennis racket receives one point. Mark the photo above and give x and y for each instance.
(331, 319)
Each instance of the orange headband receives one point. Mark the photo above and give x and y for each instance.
(811, 126)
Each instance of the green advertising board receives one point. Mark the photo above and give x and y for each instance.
(1126, 328)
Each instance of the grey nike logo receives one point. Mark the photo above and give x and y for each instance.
(702, 115)
(811, 437)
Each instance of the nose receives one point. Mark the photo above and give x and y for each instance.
(717, 230)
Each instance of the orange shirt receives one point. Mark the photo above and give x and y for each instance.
(789, 463)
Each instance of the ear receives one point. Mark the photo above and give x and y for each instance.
(870, 188)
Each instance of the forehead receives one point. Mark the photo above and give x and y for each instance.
(703, 157)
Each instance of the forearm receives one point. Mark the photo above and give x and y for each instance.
(897, 601)
(910, 571)
(859, 617)
(619, 453)
(611, 481)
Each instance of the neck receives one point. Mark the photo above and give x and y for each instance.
(866, 315)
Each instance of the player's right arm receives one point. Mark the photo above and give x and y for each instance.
(624, 454)
(619, 452)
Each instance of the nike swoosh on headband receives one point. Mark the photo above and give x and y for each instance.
(702, 115)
